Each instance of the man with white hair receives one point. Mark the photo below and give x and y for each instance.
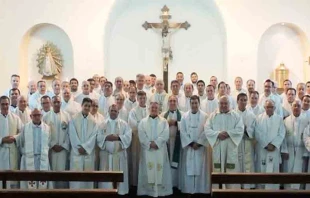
(293, 149)
(148, 85)
(68, 104)
(269, 133)
(114, 138)
(119, 82)
(184, 101)
(224, 130)
(32, 88)
(56, 86)
(154, 169)
(22, 111)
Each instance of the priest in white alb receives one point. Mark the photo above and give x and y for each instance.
(269, 133)
(10, 127)
(154, 169)
(135, 117)
(253, 104)
(160, 94)
(173, 115)
(82, 134)
(106, 99)
(34, 143)
(22, 111)
(58, 121)
(68, 104)
(184, 104)
(210, 104)
(288, 101)
(293, 149)
(195, 175)
(131, 102)
(122, 111)
(113, 139)
(246, 147)
(94, 112)
(224, 130)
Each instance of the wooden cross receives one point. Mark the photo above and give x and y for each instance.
(166, 29)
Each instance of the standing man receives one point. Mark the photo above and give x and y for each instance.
(106, 99)
(253, 104)
(14, 94)
(10, 127)
(154, 169)
(119, 82)
(34, 143)
(68, 104)
(22, 111)
(160, 94)
(74, 86)
(82, 134)
(288, 101)
(224, 130)
(131, 101)
(201, 90)
(114, 137)
(250, 85)
(15, 81)
(239, 89)
(35, 99)
(214, 82)
(58, 121)
(180, 78)
(194, 79)
(269, 133)
(195, 171)
(210, 104)
(184, 102)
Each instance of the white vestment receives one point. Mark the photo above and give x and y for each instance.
(159, 98)
(246, 146)
(165, 104)
(236, 92)
(34, 100)
(104, 104)
(306, 139)
(184, 103)
(225, 152)
(59, 126)
(232, 101)
(130, 104)
(195, 175)
(10, 126)
(113, 154)
(71, 107)
(209, 106)
(34, 143)
(135, 116)
(287, 108)
(123, 114)
(174, 139)
(116, 92)
(276, 100)
(75, 94)
(294, 146)
(256, 110)
(269, 130)
(150, 89)
(98, 118)
(154, 169)
(23, 115)
(79, 98)
(82, 133)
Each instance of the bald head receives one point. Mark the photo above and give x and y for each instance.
(296, 108)
(224, 104)
(36, 116)
(22, 102)
(269, 107)
(113, 111)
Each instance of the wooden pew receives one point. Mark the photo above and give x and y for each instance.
(95, 176)
(259, 178)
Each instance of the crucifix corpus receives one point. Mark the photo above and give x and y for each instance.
(166, 29)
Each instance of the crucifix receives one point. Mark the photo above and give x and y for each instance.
(166, 29)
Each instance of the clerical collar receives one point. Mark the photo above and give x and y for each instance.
(194, 112)
(111, 120)
(37, 125)
(14, 106)
(133, 101)
(172, 111)
(241, 110)
(225, 112)
(211, 99)
(154, 117)
(143, 107)
(84, 115)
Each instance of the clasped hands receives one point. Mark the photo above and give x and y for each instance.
(8, 140)
(270, 147)
(195, 145)
(153, 145)
(223, 135)
(112, 138)
(57, 148)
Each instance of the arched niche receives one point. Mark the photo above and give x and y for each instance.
(287, 43)
(33, 40)
(130, 49)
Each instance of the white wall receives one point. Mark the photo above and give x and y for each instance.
(89, 23)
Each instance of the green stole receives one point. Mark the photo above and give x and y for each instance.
(177, 143)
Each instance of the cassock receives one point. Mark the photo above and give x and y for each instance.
(23, 115)
(113, 154)
(59, 126)
(71, 107)
(294, 146)
(10, 126)
(154, 169)
(276, 99)
(135, 117)
(174, 145)
(34, 100)
(159, 98)
(123, 114)
(246, 146)
(209, 106)
(184, 103)
(269, 130)
(82, 133)
(130, 104)
(34, 143)
(225, 152)
(256, 110)
(104, 104)
(195, 176)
